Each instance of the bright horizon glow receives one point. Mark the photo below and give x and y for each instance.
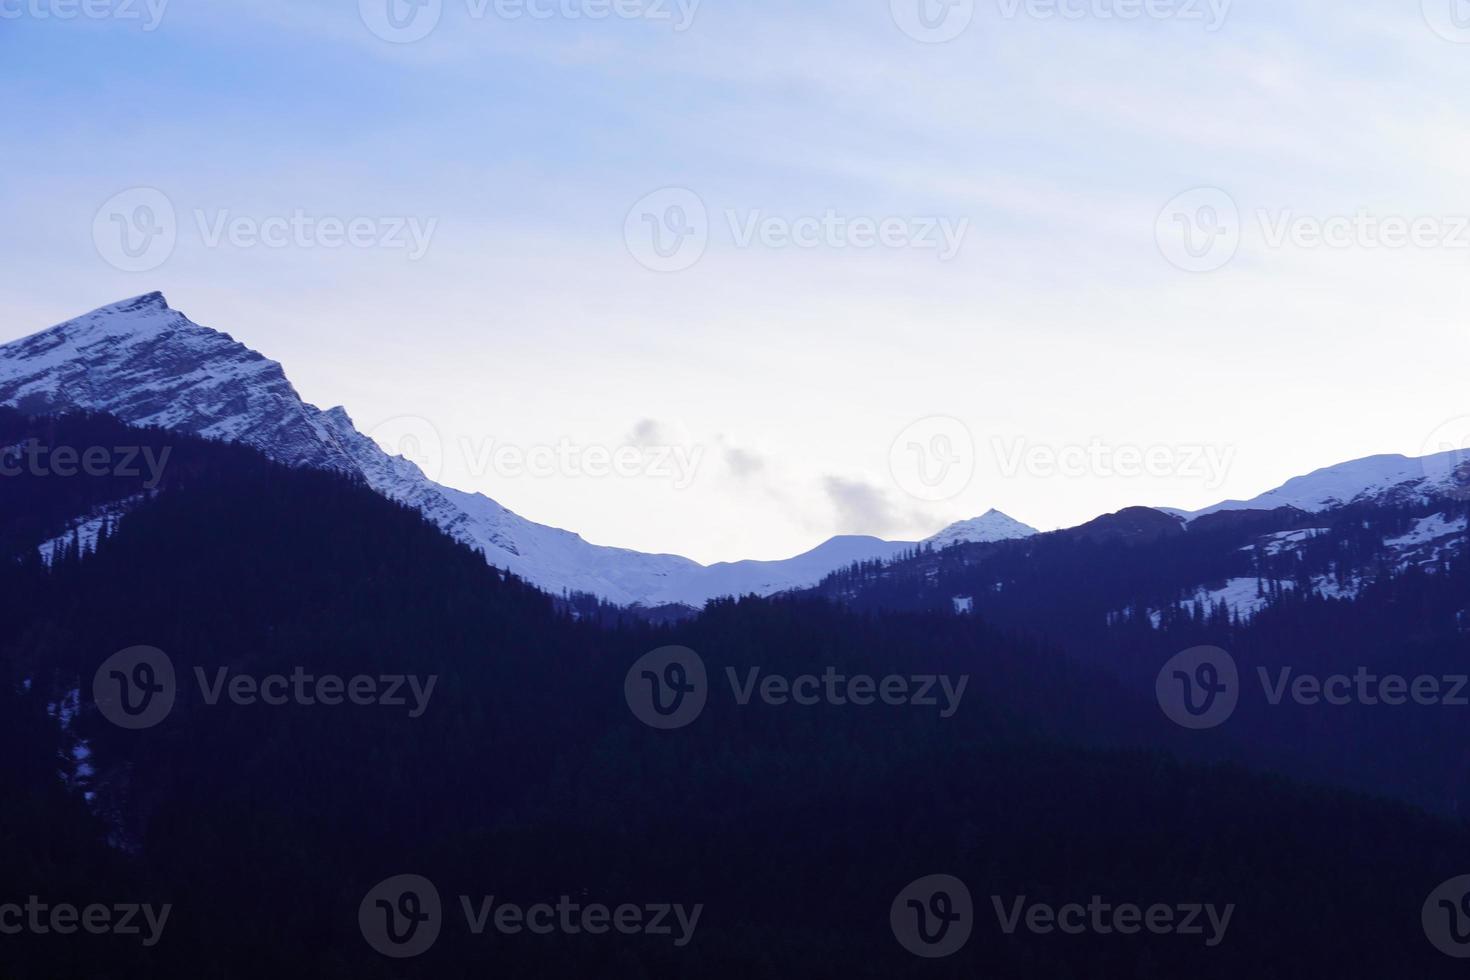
(1059, 326)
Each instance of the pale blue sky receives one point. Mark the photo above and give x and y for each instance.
(1060, 325)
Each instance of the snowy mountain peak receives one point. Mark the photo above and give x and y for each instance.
(148, 364)
(990, 526)
(153, 301)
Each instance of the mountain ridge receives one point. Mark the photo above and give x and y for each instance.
(1385, 477)
(148, 364)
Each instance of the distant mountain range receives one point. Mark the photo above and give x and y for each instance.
(148, 364)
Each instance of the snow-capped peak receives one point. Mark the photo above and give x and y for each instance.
(990, 526)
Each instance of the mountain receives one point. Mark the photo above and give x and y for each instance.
(148, 364)
(1381, 479)
(770, 577)
(990, 526)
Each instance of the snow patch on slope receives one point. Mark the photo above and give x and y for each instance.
(83, 533)
(1428, 530)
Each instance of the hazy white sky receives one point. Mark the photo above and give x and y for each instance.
(804, 269)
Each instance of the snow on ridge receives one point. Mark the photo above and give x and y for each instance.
(1385, 477)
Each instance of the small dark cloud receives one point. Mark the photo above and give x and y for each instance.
(742, 462)
(649, 432)
(863, 508)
